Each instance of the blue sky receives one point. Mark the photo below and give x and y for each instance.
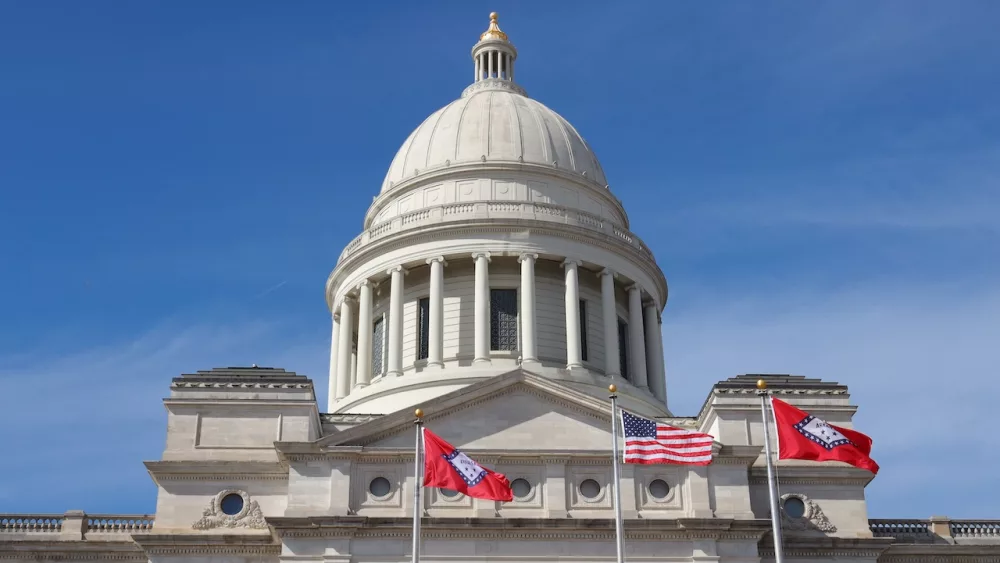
(178, 178)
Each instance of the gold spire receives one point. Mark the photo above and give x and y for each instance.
(493, 31)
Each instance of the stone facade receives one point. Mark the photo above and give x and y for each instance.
(496, 286)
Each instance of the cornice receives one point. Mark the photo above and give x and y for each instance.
(216, 470)
(941, 553)
(337, 418)
(825, 546)
(518, 528)
(241, 544)
(813, 474)
(642, 261)
(71, 550)
(180, 384)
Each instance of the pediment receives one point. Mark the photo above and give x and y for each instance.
(518, 408)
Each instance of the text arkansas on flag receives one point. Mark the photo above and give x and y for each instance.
(448, 468)
(803, 436)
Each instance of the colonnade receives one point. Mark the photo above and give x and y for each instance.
(646, 366)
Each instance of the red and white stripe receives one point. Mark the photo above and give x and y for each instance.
(672, 445)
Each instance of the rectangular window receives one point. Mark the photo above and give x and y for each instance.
(583, 330)
(378, 345)
(623, 348)
(503, 319)
(423, 317)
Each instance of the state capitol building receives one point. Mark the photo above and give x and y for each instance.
(495, 283)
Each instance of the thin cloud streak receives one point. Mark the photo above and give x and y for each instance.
(103, 408)
(920, 363)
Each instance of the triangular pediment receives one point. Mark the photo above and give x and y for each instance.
(516, 409)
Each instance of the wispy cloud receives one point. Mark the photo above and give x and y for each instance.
(920, 363)
(86, 422)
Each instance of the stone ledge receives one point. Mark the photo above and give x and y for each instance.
(681, 529)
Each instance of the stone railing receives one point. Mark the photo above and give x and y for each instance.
(937, 529)
(975, 529)
(493, 210)
(30, 523)
(74, 525)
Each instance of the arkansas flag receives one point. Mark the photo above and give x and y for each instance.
(448, 468)
(803, 436)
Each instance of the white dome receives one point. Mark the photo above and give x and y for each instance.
(498, 123)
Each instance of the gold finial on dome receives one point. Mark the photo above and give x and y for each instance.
(493, 31)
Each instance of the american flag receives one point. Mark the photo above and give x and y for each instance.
(648, 441)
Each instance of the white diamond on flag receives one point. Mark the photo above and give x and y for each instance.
(822, 433)
(472, 473)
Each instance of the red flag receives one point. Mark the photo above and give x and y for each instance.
(448, 468)
(803, 436)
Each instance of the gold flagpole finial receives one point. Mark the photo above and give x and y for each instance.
(419, 413)
(761, 384)
(613, 388)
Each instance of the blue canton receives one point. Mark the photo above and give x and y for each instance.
(821, 433)
(638, 427)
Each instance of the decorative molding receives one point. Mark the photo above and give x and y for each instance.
(249, 516)
(336, 418)
(527, 529)
(493, 84)
(237, 385)
(812, 519)
(750, 391)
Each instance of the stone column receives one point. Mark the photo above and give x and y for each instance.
(354, 369)
(636, 336)
(574, 355)
(529, 333)
(395, 364)
(654, 354)
(344, 351)
(364, 333)
(435, 324)
(612, 363)
(334, 348)
(482, 308)
(661, 366)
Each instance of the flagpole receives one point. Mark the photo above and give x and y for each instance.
(417, 484)
(772, 486)
(619, 534)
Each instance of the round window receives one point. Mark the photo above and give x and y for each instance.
(232, 504)
(379, 487)
(448, 493)
(794, 507)
(590, 489)
(658, 489)
(521, 488)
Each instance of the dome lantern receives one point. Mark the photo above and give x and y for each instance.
(494, 55)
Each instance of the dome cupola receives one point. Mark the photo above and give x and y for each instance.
(494, 245)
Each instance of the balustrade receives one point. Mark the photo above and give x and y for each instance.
(74, 525)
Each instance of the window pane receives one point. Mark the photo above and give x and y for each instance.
(378, 338)
(503, 319)
(583, 330)
(623, 347)
(423, 311)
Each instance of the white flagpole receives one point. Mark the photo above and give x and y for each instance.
(772, 486)
(417, 483)
(619, 533)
